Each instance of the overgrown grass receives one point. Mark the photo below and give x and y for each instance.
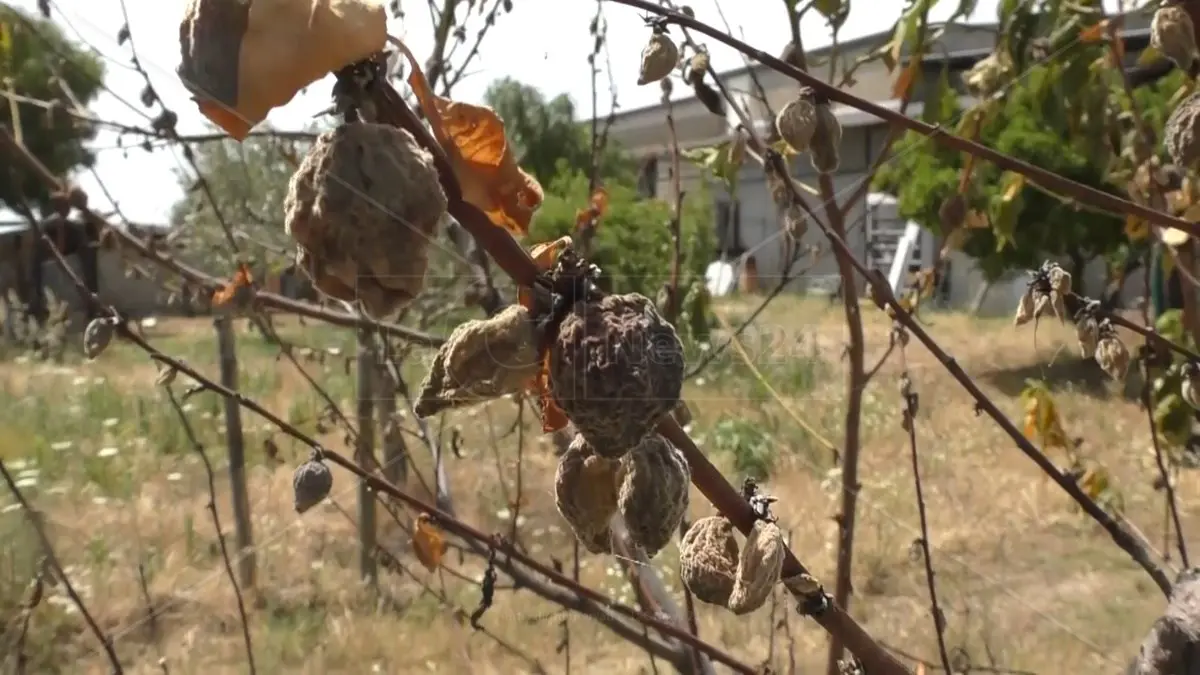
(99, 451)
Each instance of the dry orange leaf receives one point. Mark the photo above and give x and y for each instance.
(544, 256)
(906, 79)
(482, 159)
(597, 207)
(553, 417)
(241, 279)
(1094, 33)
(428, 543)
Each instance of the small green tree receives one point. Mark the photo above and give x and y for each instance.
(545, 132)
(1035, 122)
(633, 244)
(37, 61)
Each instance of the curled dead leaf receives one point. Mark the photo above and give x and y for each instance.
(473, 138)
(229, 293)
(427, 542)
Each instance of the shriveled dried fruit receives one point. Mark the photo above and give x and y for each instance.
(97, 336)
(585, 492)
(1060, 281)
(697, 67)
(825, 152)
(708, 560)
(482, 359)
(759, 567)
(797, 121)
(362, 208)
(654, 492)
(1087, 331)
(659, 58)
(1181, 133)
(311, 483)
(1173, 34)
(1112, 356)
(1190, 387)
(1025, 309)
(616, 369)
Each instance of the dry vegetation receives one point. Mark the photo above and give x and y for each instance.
(1025, 581)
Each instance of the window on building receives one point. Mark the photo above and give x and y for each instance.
(729, 228)
(648, 178)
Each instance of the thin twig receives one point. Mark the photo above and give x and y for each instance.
(216, 518)
(1164, 474)
(910, 423)
(60, 573)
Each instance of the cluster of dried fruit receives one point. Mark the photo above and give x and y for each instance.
(1048, 289)
(362, 207)
(807, 124)
(718, 573)
(647, 486)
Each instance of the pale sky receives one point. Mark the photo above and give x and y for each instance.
(544, 43)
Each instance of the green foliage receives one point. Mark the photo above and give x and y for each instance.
(746, 443)
(545, 133)
(1173, 416)
(34, 54)
(1038, 123)
(633, 244)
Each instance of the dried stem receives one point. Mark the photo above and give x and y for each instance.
(910, 423)
(1164, 473)
(216, 518)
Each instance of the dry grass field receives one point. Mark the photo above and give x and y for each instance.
(1026, 582)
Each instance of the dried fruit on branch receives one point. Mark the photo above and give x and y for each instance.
(759, 567)
(97, 336)
(585, 492)
(654, 492)
(362, 207)
(311, 483)
(482, 359)
(1111, 353)
(616, 368)
(1173, 34)
(825, 151)
(1087, 331)
(1190, 387)
(241, 59)
(428, 544)
(1181, 133)
(797, 121)
(659, 58)
(474, 140)
(708, 560)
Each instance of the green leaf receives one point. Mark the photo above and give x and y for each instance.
(718, 160)
(1149, 55)
(1169, 324)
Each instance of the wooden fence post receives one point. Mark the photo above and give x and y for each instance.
(237, 452)
(395, 452)
(364, 454)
